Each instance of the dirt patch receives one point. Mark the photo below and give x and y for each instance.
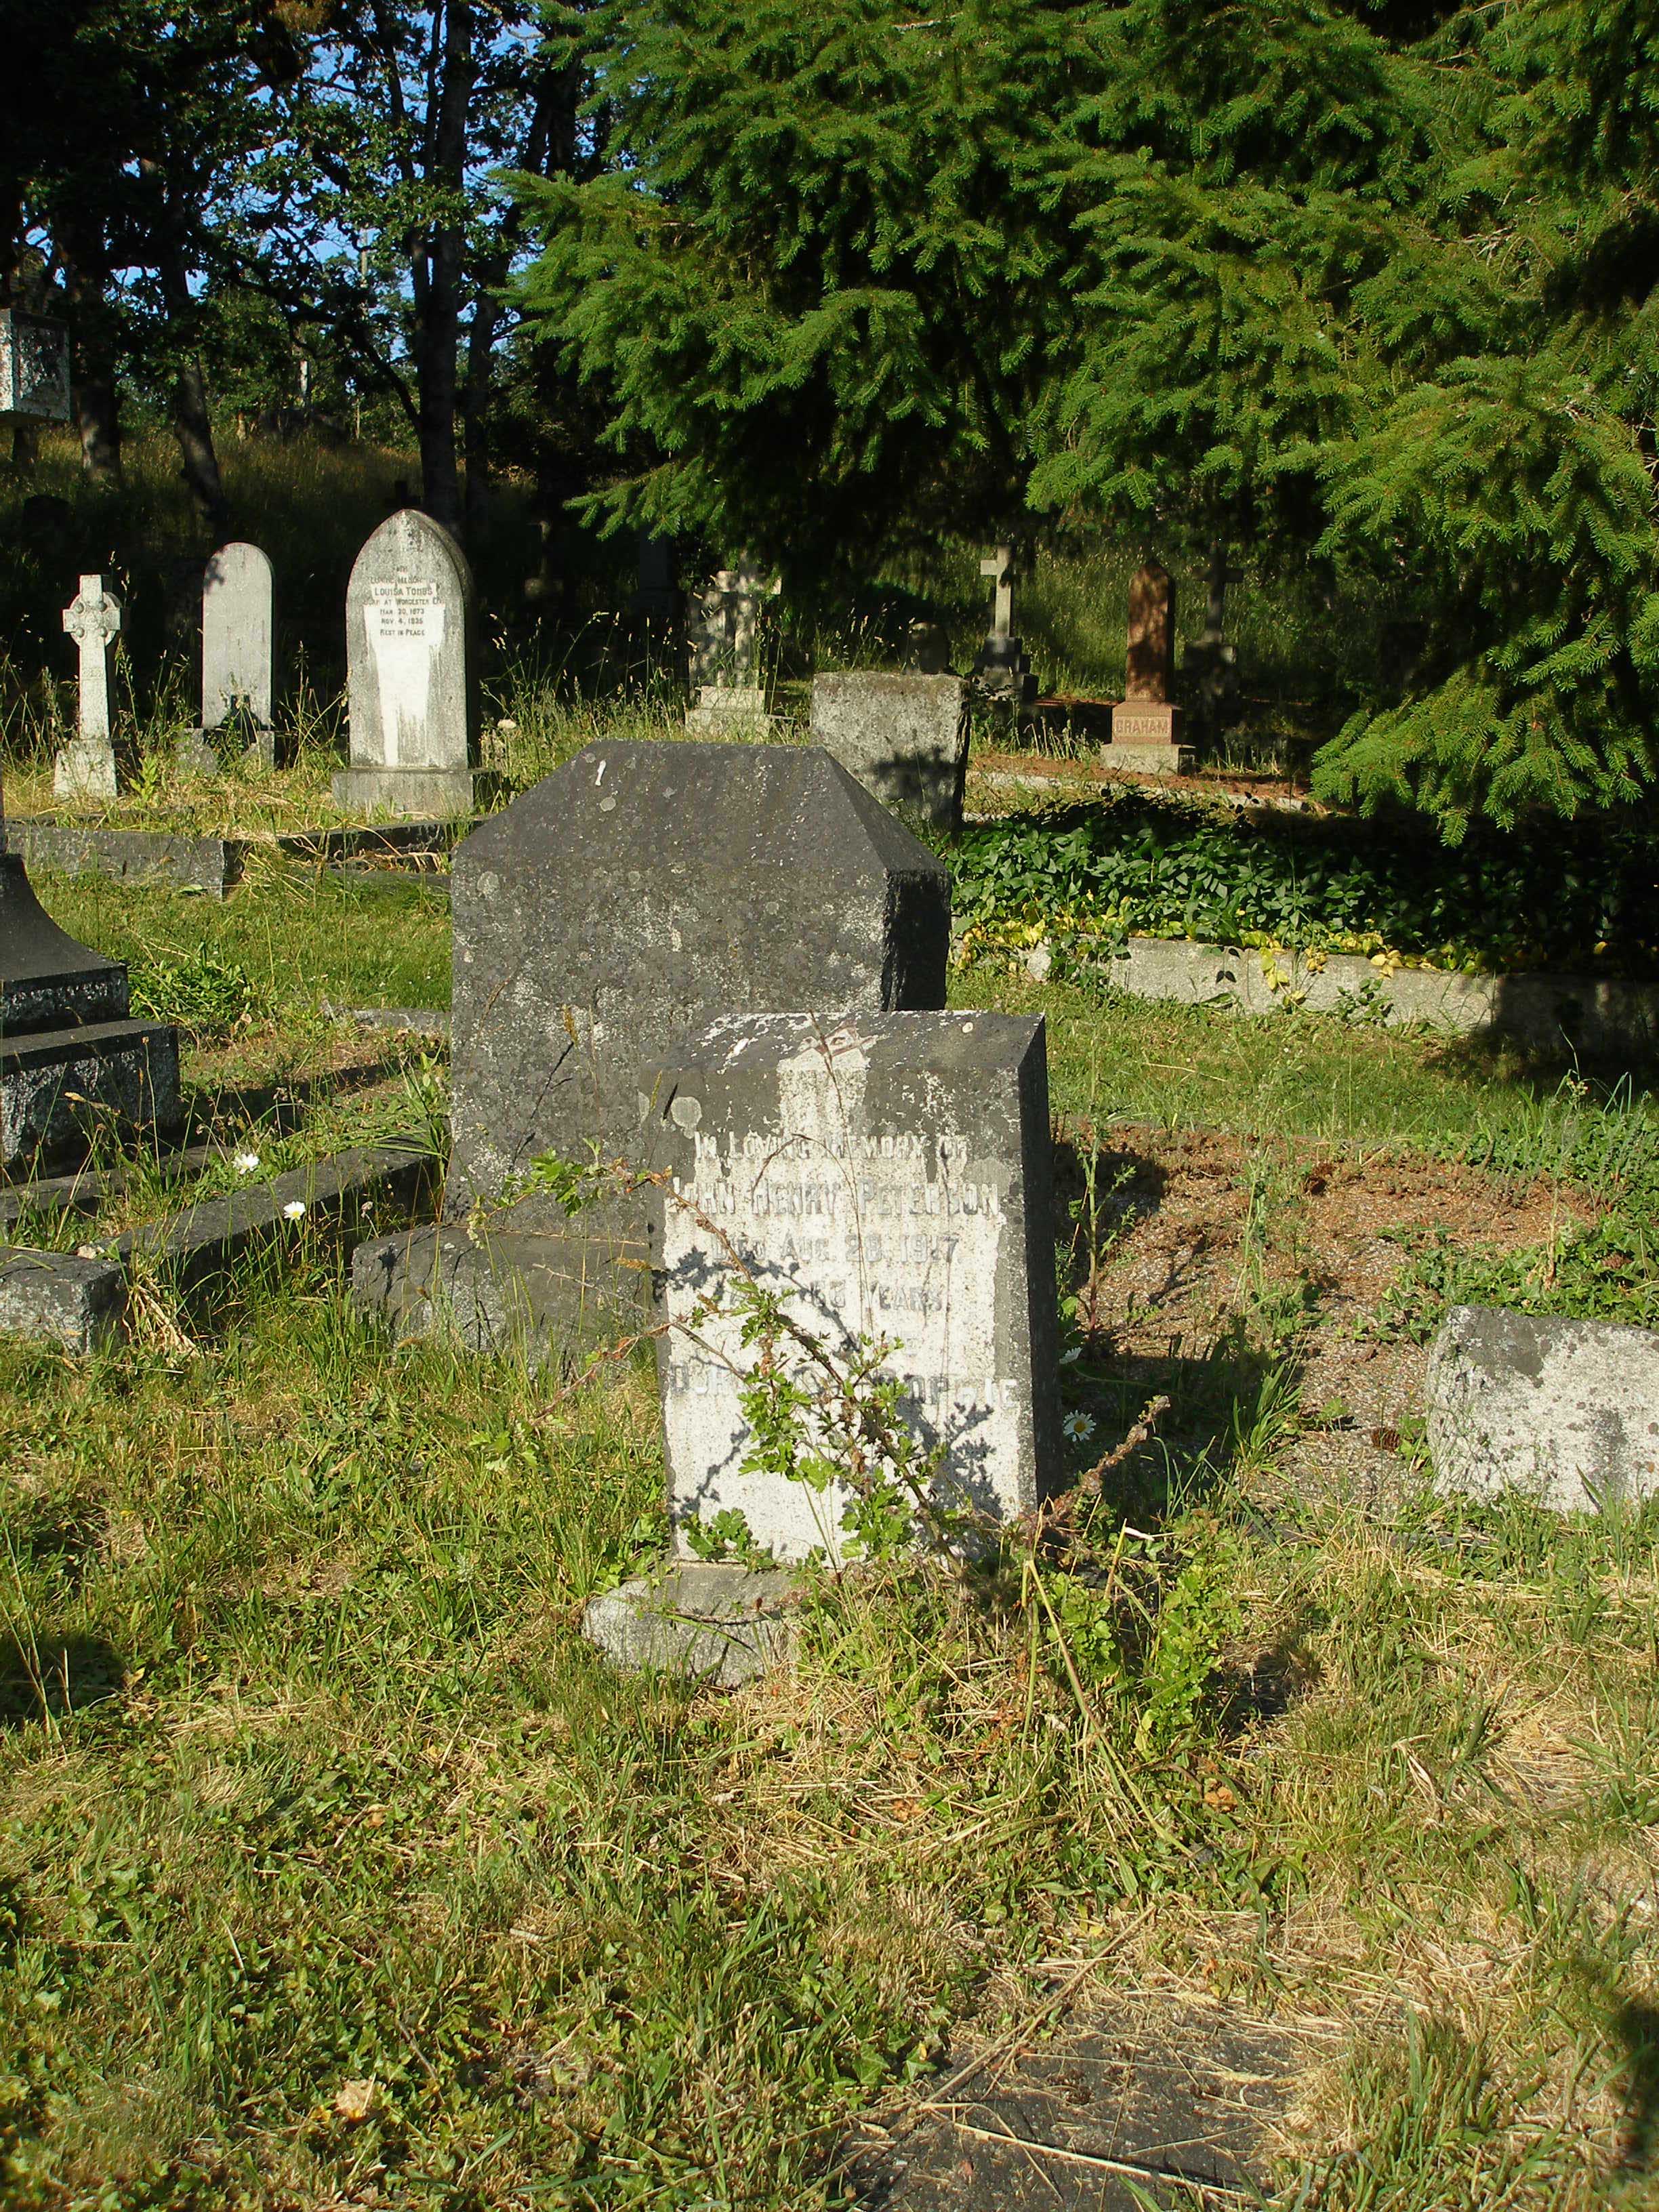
(1084, 777)
(1173, 1235)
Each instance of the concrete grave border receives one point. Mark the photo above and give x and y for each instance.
(216, 865)
(1601, 1018)
(77, 1299)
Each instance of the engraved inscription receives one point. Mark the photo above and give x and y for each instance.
(404, 618)
(884, 1236)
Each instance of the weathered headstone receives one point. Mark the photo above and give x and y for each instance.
(85, 767)
(238, 653)
(72, 1061)
(904, 737)
(726, 670)
(1146, 726)
(1003, 671)
(1563, 1412)
(35, 368)
(412, 689)
(887, 1177)
(633, 894)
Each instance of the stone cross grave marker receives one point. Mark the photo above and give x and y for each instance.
(412, 685)
(85, 767)
(726, 657)
(1146, 726)
(888, 1178)
(238, 650)
(1004, 670)
(998, 567)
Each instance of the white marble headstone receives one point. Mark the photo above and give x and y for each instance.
(887, 1177)
(407, 642)
(238, 637)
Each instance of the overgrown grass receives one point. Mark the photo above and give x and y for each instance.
(336, 1867)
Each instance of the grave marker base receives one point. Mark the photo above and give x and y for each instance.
(721, 1624)
(432, 792)
(1148, 760)
(537, 1293)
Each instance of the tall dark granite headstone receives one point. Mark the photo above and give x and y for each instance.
(642, 891)
(634, 895)
(73, 1064)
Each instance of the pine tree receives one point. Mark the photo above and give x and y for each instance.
(1506, 456)
(1366, 287)
(822, 281)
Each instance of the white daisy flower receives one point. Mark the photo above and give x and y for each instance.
(1078, 1428)
(294, 1209)
(244, 1163)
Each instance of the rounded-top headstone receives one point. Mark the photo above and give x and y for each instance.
(646, 888)
(409, 657)
(238, 635)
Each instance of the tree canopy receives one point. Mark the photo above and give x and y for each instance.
(1363, 287)
(1368, 289)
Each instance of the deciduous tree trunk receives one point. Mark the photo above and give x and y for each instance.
(192, 425)
(438, 302)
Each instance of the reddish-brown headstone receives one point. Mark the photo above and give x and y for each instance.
(1151, 634)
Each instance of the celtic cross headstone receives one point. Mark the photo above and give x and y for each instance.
(85, 767)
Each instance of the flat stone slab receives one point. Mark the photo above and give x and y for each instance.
(202, 1239)
(1149, 2101)
(61, 1298)
(1565, 1412)
(59, 1087)
(214, 866)
(538, 1293)
(77, 1299)
(88, 1188)
(722, 1625)
(1599, 1018)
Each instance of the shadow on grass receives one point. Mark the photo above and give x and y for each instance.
(55, 1675)
(1492, 1056)
(1637, 2025)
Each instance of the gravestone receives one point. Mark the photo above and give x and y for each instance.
(725, 643)
(73, 1063)
(633, 894)
(238, 641)
(885, 1177)
(1146, 725)
(35, 368)
(1005, 673)
(85, 767)
(411, 684)
(904, 737)
(1563, 1412)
